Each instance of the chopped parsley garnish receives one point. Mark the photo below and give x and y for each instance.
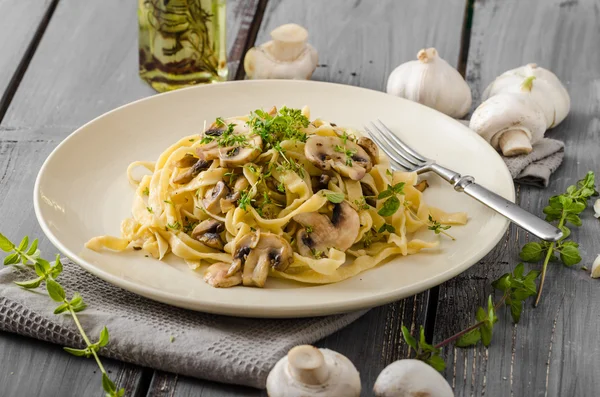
(348, 152)
(175, 226)
(146, 191)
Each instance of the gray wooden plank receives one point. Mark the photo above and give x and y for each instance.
(553, 350)
(34, 368)
(86, 64)
(359, 43)
(19, 21)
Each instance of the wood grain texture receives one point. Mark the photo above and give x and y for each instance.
(33, 368)
(85, 65)
(359, 43)
(19, 22)
(553, 351)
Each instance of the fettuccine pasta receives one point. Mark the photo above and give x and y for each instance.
(272, 193)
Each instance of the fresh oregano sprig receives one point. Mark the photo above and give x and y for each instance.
(564, 208)
(29, 255)
(391, 205)
(517, 287)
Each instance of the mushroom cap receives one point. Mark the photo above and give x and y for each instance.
(263, 63)
(270, 251)
(508, 112)
(235, 155)
(308, 371)
(213, 197)
(409, 378)
(546, 91)
(339, 232)
(198, 166)
(412, 81)
(327, 152)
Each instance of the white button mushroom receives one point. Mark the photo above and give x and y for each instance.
(287, 56)
(544, 88)
(411, 378)
(431, 81)
(307, 371)
(596, 268)
(514, 131)
(510, 122)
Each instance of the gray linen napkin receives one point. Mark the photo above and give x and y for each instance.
(536, 167)
(220, 348)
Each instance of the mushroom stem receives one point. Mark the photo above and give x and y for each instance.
(515, 142)
(307, 365)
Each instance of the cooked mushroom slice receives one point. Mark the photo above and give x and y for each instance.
(192, 172)
(321, 182)
(370, 147)
(369, 189)
(186, 161)
(213, 197)
(233, 152)
(323, 233)
(216, 276)
(207, 232)
(271, 251)
(231, 199)
(421, 186)
(347, 158)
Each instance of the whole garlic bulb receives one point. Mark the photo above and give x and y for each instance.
(431, 81)
(287, 56)
(510, 122)
(542, 85)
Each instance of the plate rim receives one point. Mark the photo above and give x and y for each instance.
(233, 309)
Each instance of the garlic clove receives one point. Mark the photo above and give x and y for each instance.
(308, 371)
(408, 378)
(431, 81)
(287, 56)
(510, 122)
(596, 268)
(597, 208)
(543, 86)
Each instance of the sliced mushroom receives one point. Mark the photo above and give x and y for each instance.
(338, 232)
(229, 202)
(370, 147)
(257, 257)
(321, 182)
(216, 276)
(186, 161)
(213, 197)
(199, 166)
(369, 189)
(207, 232)
(327, 152)
(231, 155)
(421, 186)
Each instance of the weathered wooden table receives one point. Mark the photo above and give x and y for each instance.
(64, 62)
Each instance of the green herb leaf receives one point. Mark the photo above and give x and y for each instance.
(335, 198)
(103, 341)
(5, 244)
(386, 228)
(471, 338)
(76, 352)
(39, 269)
(62, 308)
(532, 252)
(108, 384)
(55, 291)
(569, 255)
(390, 206)
(11, 259)
(574, 219)
(57, 268)
(33, 248)
(410, 340)
(30, 283)
(24, 244)
(436, 362)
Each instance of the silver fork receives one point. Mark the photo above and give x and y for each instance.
(403, 157)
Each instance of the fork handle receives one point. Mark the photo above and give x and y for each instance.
(513, 212)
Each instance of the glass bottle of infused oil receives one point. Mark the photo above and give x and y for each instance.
(181, 42)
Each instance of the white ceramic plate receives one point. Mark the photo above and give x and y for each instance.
(82, 191)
